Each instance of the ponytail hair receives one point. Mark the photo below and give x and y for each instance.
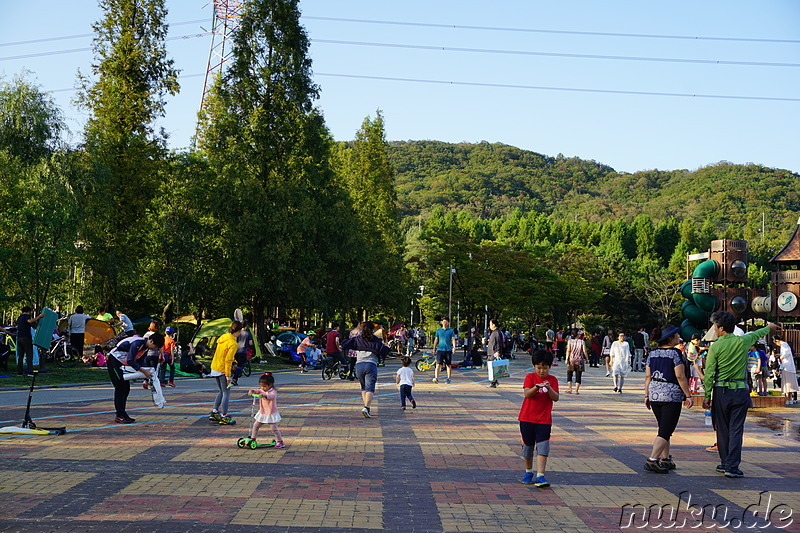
(368, 330)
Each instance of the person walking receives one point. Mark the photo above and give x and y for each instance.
(405, 382)
(596, 349)
(221, 370)
(788, 370)
(494, 346)
(549, 339)
(244, 347)
(540, 390)
(666, 389)
(620, 361)
(606, 347)
(170, 352)
(576, 361)
(76, 324)
(445, 344)
(368, 349)
(726, 392)
(25, 340)
(638, 350)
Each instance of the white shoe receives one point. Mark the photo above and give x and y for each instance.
(608, 374)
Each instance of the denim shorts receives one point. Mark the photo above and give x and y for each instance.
(367, 374)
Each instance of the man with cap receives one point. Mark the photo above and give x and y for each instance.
(726, 391)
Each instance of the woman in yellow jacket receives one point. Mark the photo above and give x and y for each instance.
(221, 366)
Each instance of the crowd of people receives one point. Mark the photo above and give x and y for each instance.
(725, 366)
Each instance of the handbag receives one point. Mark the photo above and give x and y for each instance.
(498, 369)
(570, 367)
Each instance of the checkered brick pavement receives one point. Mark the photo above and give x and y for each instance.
(451, 465)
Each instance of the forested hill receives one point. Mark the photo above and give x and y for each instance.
(494, 179)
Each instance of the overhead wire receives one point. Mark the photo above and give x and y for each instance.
(89, 48)
(480, 50)
(470, 50)
(558, 54)
(524, 87)
(567, 89)
(558, 32)
(471, 27)
(84, 35)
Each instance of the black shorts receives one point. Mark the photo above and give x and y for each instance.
(444, 358)
(532, 432)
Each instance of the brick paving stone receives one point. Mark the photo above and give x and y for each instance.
(451, 465)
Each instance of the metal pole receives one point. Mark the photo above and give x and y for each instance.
(450, 300)
(411, 322)
(458, 314)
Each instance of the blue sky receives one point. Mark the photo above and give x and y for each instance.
(492, 96)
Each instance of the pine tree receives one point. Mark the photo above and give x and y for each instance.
(125, 152)
(269, 150)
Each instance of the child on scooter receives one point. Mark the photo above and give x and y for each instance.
(268, 408)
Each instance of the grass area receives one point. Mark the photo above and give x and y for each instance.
(54, 376)
(82, 374)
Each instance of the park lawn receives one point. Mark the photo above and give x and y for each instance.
(54, 376)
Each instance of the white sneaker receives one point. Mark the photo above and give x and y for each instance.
(365, 412)
(608, 374)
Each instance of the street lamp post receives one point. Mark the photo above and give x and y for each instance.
(450, 300)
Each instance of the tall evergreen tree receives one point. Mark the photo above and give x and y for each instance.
(370, 182)
(132, 78)
(270, 150)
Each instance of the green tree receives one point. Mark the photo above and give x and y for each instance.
(270, 153)
(38, 226)
(132, 78)
(31, 125)
(40, 212)
(370, 184)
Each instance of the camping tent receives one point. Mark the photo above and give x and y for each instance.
(98, 332)
(213, 329)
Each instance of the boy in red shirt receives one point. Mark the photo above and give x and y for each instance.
(535, 416)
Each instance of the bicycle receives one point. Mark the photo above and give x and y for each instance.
(8, 345)
(62, 353)
(337, 368)
(427, 362)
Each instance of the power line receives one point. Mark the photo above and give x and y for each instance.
(558, 32)
(73, 89)
(559, 54)
(565, 89)
(84, 35)
(470, 50)
(88, 48)
(525, 87)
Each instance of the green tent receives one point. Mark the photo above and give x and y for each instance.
(214, 329)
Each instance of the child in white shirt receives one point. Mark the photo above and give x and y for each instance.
(405, 379)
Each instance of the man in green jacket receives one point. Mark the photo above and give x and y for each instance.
(726, 390)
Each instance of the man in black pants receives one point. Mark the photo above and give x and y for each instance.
(726, 391)
(25, 340)
(128, 353)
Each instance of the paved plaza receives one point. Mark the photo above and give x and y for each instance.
(452, 465)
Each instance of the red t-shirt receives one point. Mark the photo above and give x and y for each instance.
(538, 409)
(330, 341)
